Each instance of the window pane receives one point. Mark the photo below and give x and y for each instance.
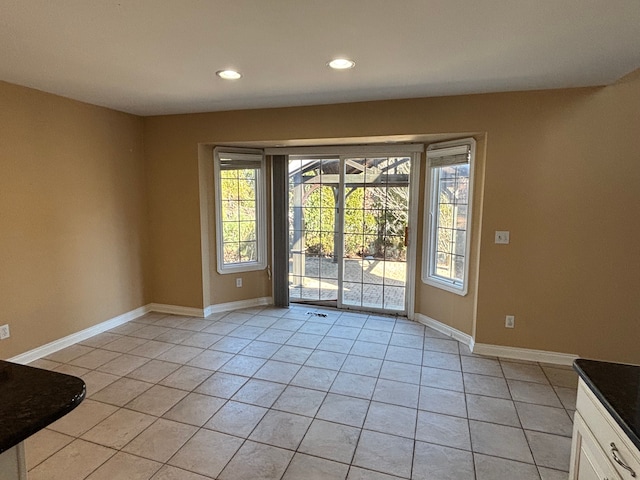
(445, 261)
(239, 213)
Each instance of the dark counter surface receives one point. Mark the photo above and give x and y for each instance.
(617, 386)
(32, 398)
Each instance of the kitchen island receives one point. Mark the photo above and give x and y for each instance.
(606, 433)
(30, 399)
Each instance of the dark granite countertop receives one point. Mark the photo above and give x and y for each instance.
(617, 386)
(32, 398)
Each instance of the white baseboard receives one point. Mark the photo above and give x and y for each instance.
(530, 355)
(515, 353)
(69, 340)
(225, 307)
(446, 329)
(176, 310)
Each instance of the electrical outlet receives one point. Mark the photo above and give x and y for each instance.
(510, 321)
(4, 332)
(239, 282)
(502, 237)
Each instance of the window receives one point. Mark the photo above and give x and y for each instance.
(448, 206)
(240, 210)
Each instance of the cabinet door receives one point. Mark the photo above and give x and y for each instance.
(589, 462)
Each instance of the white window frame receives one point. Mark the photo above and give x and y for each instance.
(261, 211)
(439, 152)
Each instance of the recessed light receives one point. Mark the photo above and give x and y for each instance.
(228, 74)
(341, 64)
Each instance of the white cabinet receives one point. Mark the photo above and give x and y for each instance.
(12, 464)
(600, 449)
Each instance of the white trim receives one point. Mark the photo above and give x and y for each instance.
(225, 307)
(524, 354)
(446, 329)
(515, 353)
(388, 149)
(69, 340)
(176, 310)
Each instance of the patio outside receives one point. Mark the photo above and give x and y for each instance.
(368, 282)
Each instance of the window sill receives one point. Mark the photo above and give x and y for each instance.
(444, 285)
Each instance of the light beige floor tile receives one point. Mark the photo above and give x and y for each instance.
(223, 385)
(72, 370)
(168, 472)
(316, 378)
(486, 385)
(210, 359)
(493, 410)
(260, 349)
(122, 391)
(96, 381)
(550, 474)
(342, 409)
(443, 430)
(259, 392)
(368, 349)
(494, 468)
(281, 429)
(70, 353)
(567, 396)
(101, 339)
(326, 359)
(94, 359)
(157, 400)
(257, 462)
(362, 365)
(153, 348)
(443, 401)
(195, 409)
(186, 378)
(153, 371)
(123, 364)
(276, 371)
(236, 418)
(123, 466)
(525, 372)
(392, 419)
(397, 393)
(149, 332)
(384, 453)
(44, 364)
(354, 385)
(499, 441)
(331, 441)
(127, 328)
(73, 462)
(43, 444)
(357, 473)
(124, 344)
(312, 468)
(545, 419)
(119, 429)
(435, 462)
(481, 366)
(443, 379)
(161, 440)
(560, 377)
(440, 345)
(533, 393)
(242, 365)
(206, 453)
(552, 451)
(447, 361)
(84, 417)
(301, 401)
(401, 372)
(180, 354)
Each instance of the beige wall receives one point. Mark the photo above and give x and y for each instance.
(73, 232)
(561, 173)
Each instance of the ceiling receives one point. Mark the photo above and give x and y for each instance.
(151, 57)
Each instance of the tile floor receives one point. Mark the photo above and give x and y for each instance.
(269, 393)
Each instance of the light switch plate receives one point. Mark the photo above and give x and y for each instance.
(502, 237)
